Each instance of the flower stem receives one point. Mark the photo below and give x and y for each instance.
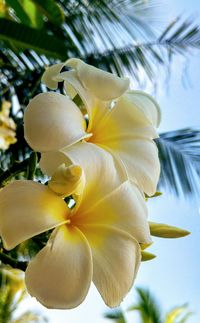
(31, 168)
(16, 168)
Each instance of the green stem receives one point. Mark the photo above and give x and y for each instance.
(16, 168)
(32, 166)
(7, 260)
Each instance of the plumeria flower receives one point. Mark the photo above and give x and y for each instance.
(120, 121)
(97, 240)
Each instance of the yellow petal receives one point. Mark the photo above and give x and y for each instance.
(67, 180)
(125, 120)
(116, 258)
(60, 274)
(27, 209)
(52, 121)
(49, 75)
(147, 105)
(166, 231)
(124, 208)
(102, 173)
(105, 86)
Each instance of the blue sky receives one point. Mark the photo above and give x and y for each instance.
(174, 275)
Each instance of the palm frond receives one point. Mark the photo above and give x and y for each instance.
(147, 307)
(179, 314)
(179, 153)
(116, 316)
(177, 39)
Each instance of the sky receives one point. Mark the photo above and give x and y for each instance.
(173, 277)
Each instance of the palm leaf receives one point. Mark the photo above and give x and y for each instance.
(27, 37)
(116, 315)
(179, 314)
(147, 307)
(179, 153)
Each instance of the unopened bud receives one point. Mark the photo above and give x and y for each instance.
(166, 231)
(146, 256)
(67, 180)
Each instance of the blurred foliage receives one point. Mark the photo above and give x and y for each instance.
(179, 153)
(12, 293)
(149, 310)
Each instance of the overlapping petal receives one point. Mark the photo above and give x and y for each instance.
(96, 108)
(27, 209)
(52, 121)
(147, 105)
(127, 132)
(124, 208)
(140, 158)
(105, 86)
(103, 173)
(116, 258)
(60, 274)
(49, 76)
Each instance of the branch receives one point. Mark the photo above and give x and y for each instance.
(7, 260)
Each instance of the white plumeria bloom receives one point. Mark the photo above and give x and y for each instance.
(97, 241)
(121, 122)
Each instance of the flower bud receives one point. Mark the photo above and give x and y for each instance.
(166, 231)
(146, 256)
(67, 180)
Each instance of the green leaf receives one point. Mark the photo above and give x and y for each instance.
(179, 153)
(51, 10)
(147, 307)
(33, 13)
(19, 11)
(27, 37)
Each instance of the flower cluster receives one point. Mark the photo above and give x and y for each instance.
(96, 145)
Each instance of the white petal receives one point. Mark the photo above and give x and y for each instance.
(105, 86)
(147, 105)
(52, 121)
(50, 161)
(96, 108)
(127, 133)
(140, 158)
(71, 78)
(125, 120)
(116, 258)
(102, 172)
(60, 274)
(124, 208)
(27, 209)
(49, 75)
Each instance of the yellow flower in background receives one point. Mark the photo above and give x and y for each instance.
(120, 121)
(14, 278)
(97, 240)
(7, 127)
